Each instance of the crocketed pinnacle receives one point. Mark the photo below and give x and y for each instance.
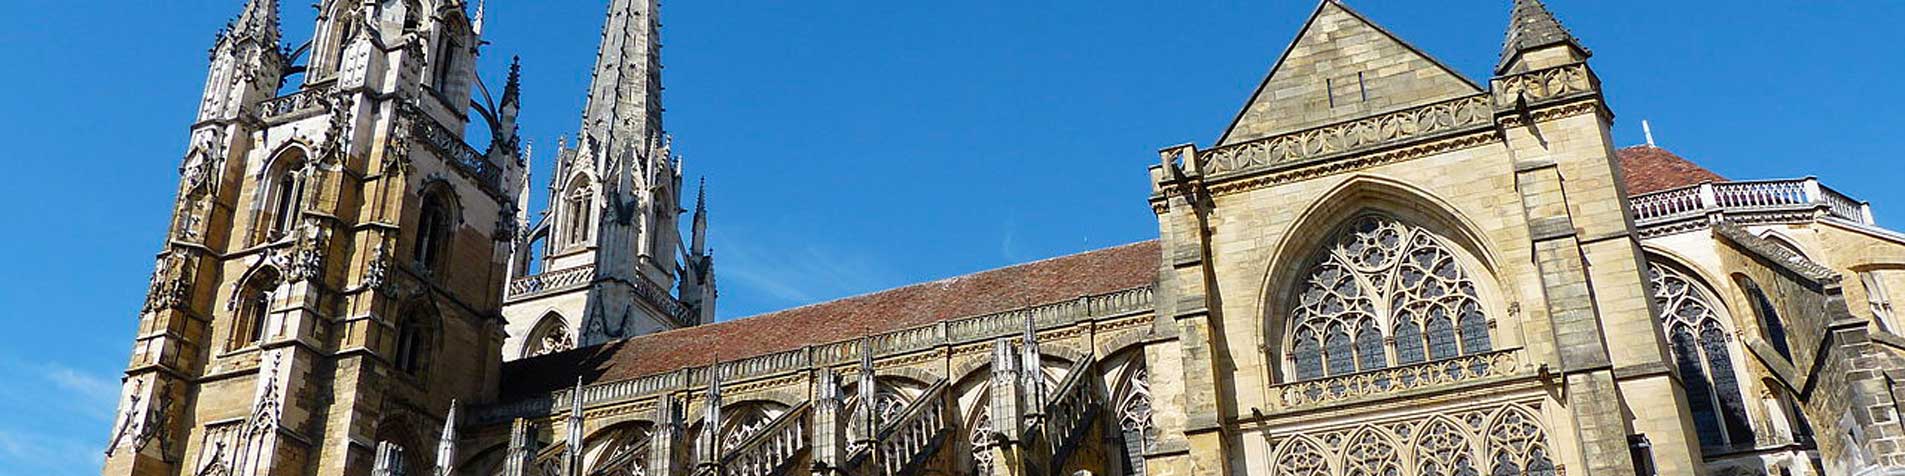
(1531, 26)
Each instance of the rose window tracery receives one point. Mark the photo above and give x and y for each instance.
(1385, 293)
(1702, 350)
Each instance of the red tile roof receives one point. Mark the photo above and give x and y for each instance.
(1652, 169)
(1039, 282)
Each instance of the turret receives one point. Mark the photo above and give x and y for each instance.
(247, 64)
(1536, 40)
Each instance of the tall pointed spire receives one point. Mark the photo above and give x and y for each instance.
(699, 241)
(1531, 26)
(624, 106)
(258, 21)
(446, 443)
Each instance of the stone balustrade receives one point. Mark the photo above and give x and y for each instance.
(1396, 380)
(1753, 201)
(298, 103)
(553, 281)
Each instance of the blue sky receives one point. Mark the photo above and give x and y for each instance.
(857, 145)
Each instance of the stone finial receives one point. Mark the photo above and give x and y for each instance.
(1531, 26)
(446, 443)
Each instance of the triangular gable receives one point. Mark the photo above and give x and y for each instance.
(1341, 66)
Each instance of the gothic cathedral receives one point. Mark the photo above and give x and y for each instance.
(1381, 267)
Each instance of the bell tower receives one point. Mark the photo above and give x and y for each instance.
(328, 282)
(606, 257)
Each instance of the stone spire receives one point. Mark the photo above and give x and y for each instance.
(624, 106)
(1530, 27)
(446, 443)
(258, 21)
(699, 242)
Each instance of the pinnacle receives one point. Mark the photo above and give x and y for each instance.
(1531, 26)
(258, 20)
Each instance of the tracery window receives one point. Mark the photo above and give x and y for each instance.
(980, 440)
(1702, 351)
(579, 207)
(623, 452)
(550, 336)
(1442, 449)
(742, 424)
(1302, 458)
(1518, 447)
(1381, 281)
(1135, 427)
(413, 343)
(253, 309)
(1371, 454)
(433, 230)
(284, 193)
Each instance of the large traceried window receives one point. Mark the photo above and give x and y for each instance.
(1385, 293)
(1702, 350)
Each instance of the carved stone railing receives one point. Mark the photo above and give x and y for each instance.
(956, 331)
(1351, 136)
(449, 145)
(1073, 409)
(308, 100)
(1398, 379)
(915, 435)
(1756, 201)
(658, 296)
(1544, 85)
(553, 281)
(769, 451)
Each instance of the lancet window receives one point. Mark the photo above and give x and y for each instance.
(434, 230)
(1702, 350)
(413, 341)
(284, 192)
(1137, 432)
(1385, 293)
(253, 309)
(579, 208)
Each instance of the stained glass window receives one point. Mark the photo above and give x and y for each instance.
(1702, 350)
(1381, 279)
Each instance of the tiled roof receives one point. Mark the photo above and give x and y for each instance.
(1039, 282)
(1646, 168)
(1651, 169)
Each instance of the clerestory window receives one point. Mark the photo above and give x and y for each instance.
(1385, 293)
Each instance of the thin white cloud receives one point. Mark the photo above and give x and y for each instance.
(95, 392)
(794, 275)
(46, 455)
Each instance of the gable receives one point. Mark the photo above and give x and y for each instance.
(1341, 67)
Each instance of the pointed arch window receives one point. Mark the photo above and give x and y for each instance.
(1702, 351)
(413, 342)
(550, 336)
(253, 309)
(434, 226)
(1137, 432)
(445, 63)
(284, 193)
(579, 206)
(1517, 446)
(1385, 293)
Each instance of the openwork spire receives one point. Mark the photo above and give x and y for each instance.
(1531, 26)
(258, 21)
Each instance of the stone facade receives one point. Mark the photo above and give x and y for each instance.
(1382, 268)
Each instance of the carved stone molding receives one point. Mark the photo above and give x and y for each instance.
(1355, 163)
(1349, 137)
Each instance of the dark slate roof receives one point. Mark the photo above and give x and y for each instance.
(1040, 282)
(1531, 26)
(1648, 169)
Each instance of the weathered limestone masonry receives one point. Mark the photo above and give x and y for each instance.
(329, 280)
(1380, 267)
